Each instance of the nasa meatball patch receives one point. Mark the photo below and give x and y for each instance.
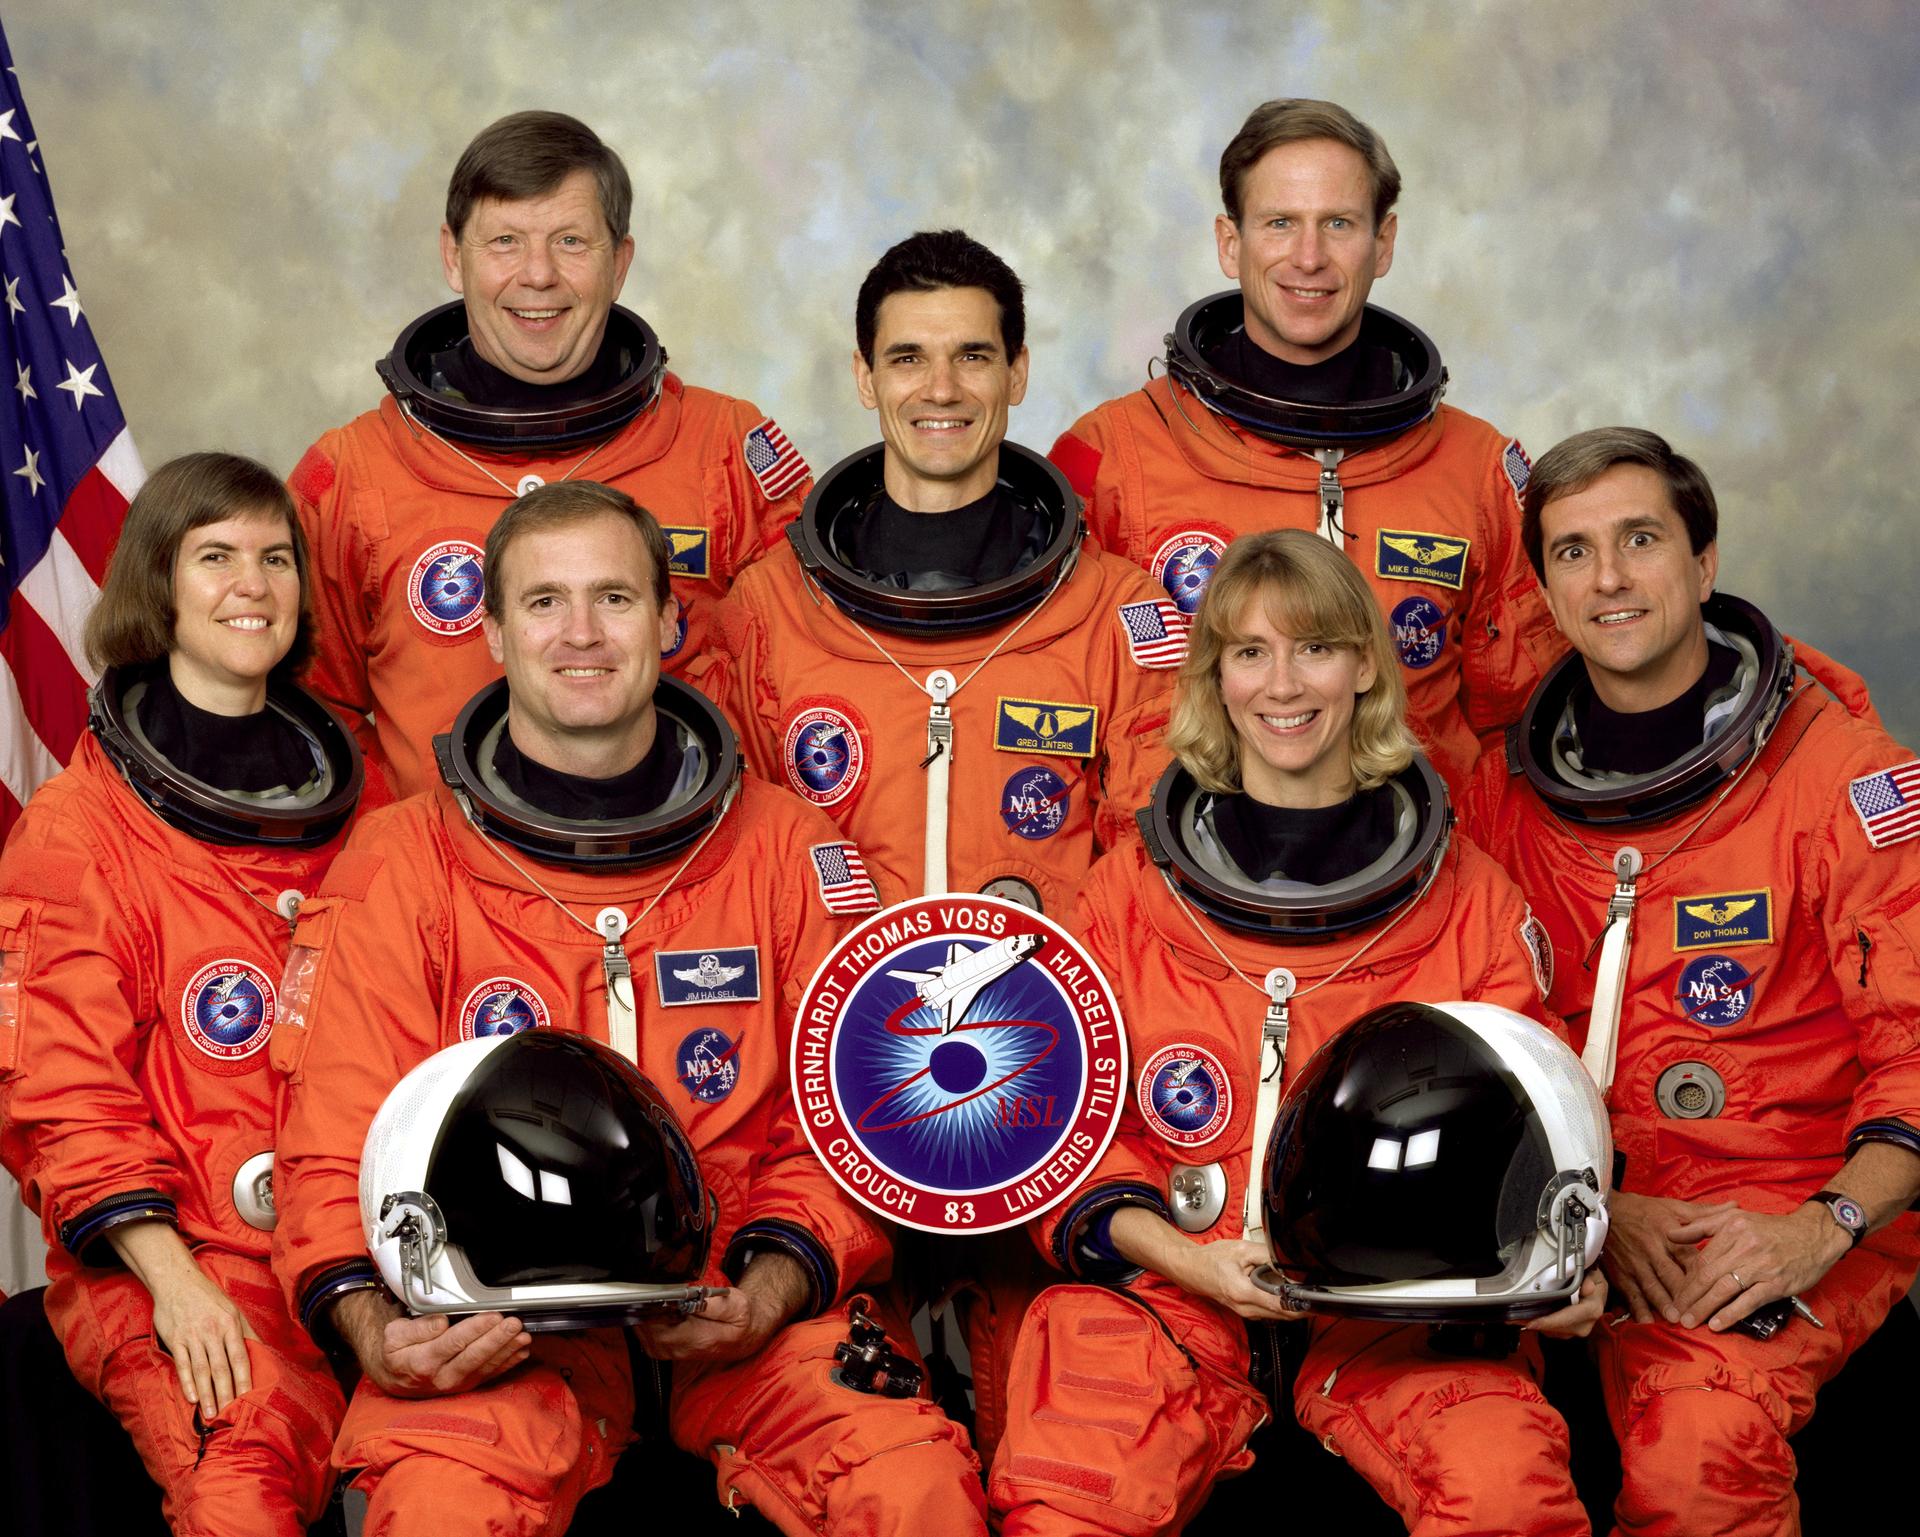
(708, 976)
(501, 1006)
(959, 1063)
(825, 751)
(1716, 990)
(1184, 1094)
(1034, 803)
(227, 1009)
(446, 587)
(1419, 628)
(707, 1065)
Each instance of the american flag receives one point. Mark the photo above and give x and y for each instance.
(1888, 803)
(1156, 632)
(1519, 468)
(844, 884)
(67, 466)
(775, 462)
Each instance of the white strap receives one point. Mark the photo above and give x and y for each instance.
(1610, 979)
(938, 766)
(1266, 1105)
(1333, 496)
(623, 1019)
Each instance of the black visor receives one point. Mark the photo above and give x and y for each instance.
(1407, 1151)
(844, 495)
(559, 1161)
(1354, 425)
(407, 372)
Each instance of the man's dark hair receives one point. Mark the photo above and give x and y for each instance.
(528, 154)
(946, 258)
(1571, 466)
(555, 505)
(1293, 120)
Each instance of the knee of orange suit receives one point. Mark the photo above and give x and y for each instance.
(263, 1467)
(422, 1492)
(1705, 1456)
(1495, 1459)
(922, 1487)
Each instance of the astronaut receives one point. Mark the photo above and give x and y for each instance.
(1297, 871)
(591, 846)
(1708, 815)
(534, 375)
(935, 656)
(146, 901)
(1293, 403)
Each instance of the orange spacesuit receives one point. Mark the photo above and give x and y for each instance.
(139, 969)
(1430, 517)
(1130, 1398)
(718, 965)
(1768, 1027)
(397, 519)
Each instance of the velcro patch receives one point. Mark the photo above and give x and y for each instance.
(1407, 555)
(43, 873)
(1723, 920)
(720, 975)
(351, 874)
(1888, 803)
(1079, 461)
(1046, 726)
(313, 476)
(687, 547)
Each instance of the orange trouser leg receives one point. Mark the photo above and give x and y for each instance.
(257, 1467)
(812, 1455)
(1703, 1418)
(511, 1458)
(1123, 1410)
(1453, 1445)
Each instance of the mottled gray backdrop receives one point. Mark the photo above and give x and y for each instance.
(1698, 217)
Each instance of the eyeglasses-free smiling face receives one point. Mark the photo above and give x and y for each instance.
(1291, 703)
(1625, 587)
(1306, 251)
(236, 604)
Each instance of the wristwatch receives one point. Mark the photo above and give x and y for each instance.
(1845, 1210)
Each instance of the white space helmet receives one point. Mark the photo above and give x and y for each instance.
(538, 1174)
(1444, 1162)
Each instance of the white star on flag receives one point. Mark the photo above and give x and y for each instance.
(80, 381)
(24, 382)
(68, 301)
(7, 215)
(30, 471)
(7, 130)
(14, 306)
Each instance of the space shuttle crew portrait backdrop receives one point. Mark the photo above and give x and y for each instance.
(1650, 214)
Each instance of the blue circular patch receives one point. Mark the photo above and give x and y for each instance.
(679, 636)
(1034, 803)
(1715, 990)
(707, 1065)
(824, 754)
(446, 587)
(501, 1006)
(1419, 631)
(1185, 1094)
(1186, 571)
(227, 1009)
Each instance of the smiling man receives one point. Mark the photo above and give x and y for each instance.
(594, 825)
(1720, 804)
(535, 375)
(1292, 402)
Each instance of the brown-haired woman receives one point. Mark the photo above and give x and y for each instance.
(146, 900)
(1298, 871)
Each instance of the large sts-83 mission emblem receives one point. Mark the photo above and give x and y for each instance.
(959, 1063)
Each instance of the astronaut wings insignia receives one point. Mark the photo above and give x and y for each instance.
(1062, 728)
(1410, 555)
(1720, 920)
(705, 975)
(1724, 912)
(1425, 554)
(688, 548)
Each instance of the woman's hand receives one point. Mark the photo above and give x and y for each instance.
(194, 1321)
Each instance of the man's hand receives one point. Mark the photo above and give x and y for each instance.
(735, 1323)
(1645, 1263)
(1577, 1318)
(427, 1357)
(1750, 1258)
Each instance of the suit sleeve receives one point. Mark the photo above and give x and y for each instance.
(1134, 751)
(1078, 454)
(76, 1005)
(1127, 1174)
(760, 519)
(1511, 639)
(794, 1205)
(338, 671)
(359, 1010)
(1516, 957)
(1869, 904)
(742, 684)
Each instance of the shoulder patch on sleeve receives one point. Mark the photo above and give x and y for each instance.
(313, 476)
(351, 874)
(845, 886)
(48, 874)
(1156, 632)
(1519, 468)
(1078, 460)
(1533, 935)
(776, 464)
(1888, 803)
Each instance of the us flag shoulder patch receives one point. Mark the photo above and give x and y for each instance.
(1156, 632)
(1518, 466)
(845, 886)
(776, 464)
(1888, 803)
